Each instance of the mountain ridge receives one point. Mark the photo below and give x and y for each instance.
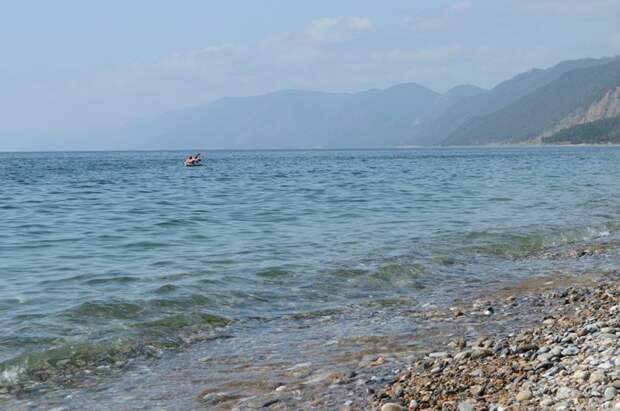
(532, 114)
(498, 97)
(527, 107)
(317, 119)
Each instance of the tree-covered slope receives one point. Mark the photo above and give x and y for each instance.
(604, 131)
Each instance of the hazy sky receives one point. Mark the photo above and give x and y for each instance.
(68, 66)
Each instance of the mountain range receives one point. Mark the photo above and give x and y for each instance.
(527, 108)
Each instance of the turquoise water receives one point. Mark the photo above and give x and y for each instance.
(107, 253)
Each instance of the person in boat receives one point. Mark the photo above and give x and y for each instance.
(193, 160)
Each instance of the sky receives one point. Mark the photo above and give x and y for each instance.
(70, 67)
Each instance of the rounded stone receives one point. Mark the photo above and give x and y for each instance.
(544, 358)
(596, 377)
(547, 402)
(581, 375)
(570, 351)
(476, 390)
(465, 406)
(564, 393)
(392, 407)
(524, 395)
(610, 393)
(555, 351)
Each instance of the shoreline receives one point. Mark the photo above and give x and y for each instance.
(318, 149)
(568, 360)
(361, 384)
(373, 377)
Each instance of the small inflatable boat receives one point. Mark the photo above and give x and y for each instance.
(193, 161)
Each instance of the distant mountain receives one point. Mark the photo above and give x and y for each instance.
(604, 131)
(297, 119)
(438, 131)
(526, 108)
(450, 98)
(300, 119)
(543, 109)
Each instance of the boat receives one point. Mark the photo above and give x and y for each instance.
(193, 161)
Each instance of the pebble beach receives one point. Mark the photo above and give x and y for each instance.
(570, 360)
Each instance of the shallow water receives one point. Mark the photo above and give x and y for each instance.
(106, 257)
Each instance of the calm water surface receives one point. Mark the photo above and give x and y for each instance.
(102, 253)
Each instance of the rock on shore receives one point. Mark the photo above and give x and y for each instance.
(568, 362)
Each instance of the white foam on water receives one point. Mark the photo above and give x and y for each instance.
(10, 375)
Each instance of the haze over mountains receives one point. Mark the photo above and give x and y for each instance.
(526, 108)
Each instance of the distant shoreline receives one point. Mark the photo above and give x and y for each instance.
(190, 150)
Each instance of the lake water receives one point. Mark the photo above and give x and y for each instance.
(110, 256)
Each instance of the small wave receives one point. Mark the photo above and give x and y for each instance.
(179, 321)
(9, 302)
(111, 280)
(274, 272)
(104, 309)
(166, 288)
(31, 226)
(502, 245)
(10, 375)
(174, 222)
(191, 301)
(523, 245)
(392, 275)
(313, 314)
(175, 277)
(445, 260)
(40, 366)
(59, 364)
(350, 272)
(395, 301)
(393, 271)
(146, 245)
(110, 237)
(162, 263)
